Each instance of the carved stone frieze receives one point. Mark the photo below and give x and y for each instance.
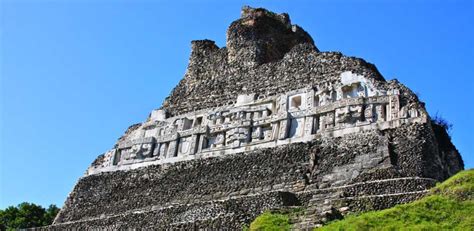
(296, 115)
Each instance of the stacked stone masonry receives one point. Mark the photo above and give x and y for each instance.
(268, 122)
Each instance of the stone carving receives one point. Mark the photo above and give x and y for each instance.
(216, 140)
(329, 120)
(184, 145)
(172, 149)
(300, 114)
(380, 112)
(267, 132)
(163, 149)
(142, 150)
(257, 133)
(348, 115)
(394, 106)
(369, 113)
(237, 136)
(283, 129)
(108, 158)
(325, 98)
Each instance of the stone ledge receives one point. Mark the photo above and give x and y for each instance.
(232, 213)
(239, 210)
(233, 207)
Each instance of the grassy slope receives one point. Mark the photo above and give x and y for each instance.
(270, 222)
(450, 205)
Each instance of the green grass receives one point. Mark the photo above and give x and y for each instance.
(271, 221)
(448, 206)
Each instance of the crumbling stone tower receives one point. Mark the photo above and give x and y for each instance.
(265, 123)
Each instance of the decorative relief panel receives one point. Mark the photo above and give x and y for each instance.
(298, 114)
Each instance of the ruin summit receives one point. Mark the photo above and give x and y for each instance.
(266, 122)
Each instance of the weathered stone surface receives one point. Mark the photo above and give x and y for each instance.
(267, 122)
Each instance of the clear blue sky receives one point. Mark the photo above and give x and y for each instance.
(75, 74)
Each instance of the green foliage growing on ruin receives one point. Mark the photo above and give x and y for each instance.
(448, 206)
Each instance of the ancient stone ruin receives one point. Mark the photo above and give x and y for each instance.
(267, 122)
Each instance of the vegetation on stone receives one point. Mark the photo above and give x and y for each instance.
(26, 215)
(448, 206)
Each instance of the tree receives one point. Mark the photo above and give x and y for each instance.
(26, 215)
(442, 122)
(50, 214)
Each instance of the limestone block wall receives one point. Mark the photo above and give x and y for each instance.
(215, 215)
(183, 182)
(431, 150)
(211, 82)
(326, 163)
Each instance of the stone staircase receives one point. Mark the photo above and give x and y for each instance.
(318, 211)
(325, 207)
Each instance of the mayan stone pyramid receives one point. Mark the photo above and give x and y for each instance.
(267, 122)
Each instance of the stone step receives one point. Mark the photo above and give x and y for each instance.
(304, 226)
(318, 203)
(322, 197)
(320, 211)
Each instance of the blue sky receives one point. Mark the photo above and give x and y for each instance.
(75, 74)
